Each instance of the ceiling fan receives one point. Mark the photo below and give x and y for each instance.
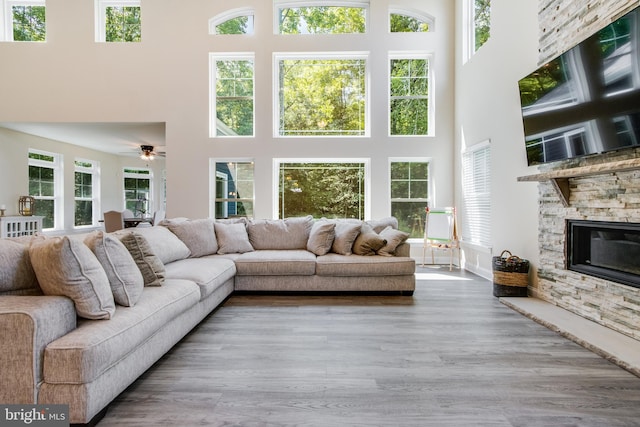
(147, 152)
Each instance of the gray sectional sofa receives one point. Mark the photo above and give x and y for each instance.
(81, 317)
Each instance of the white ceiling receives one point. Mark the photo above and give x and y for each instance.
(114, 138)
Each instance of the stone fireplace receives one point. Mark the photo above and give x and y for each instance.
(609, 201)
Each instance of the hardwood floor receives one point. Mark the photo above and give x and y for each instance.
(451, 355)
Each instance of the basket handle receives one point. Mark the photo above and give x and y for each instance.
(502, 254)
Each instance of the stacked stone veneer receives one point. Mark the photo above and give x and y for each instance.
(565, 23)
(607, 197)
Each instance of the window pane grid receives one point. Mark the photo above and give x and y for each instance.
(410, 195)
(29, 23)
(408, 97)
(122, 24)
(234, 189)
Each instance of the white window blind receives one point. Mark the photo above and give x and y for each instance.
(476, 187)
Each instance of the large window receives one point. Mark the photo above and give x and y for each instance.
(232, 109)
(86, 195)
(478, 25)
(476, 192)
(46, 187)
(321, 94)
(409, 95)
(409, 194)
(137, 190)
(326, 19)
(332, 189)
(234, 188)
(118, 21)
(23, 20)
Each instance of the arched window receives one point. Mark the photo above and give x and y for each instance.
(408, 21)
(236, 21)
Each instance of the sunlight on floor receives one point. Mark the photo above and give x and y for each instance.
(438, 276)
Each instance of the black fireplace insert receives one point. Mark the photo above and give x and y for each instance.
(608, 250)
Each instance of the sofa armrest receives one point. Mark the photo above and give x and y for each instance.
(403, 249)
(27, 325)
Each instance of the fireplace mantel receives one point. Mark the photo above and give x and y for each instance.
(560, 178)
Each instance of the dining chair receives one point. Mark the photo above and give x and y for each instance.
(113, 221)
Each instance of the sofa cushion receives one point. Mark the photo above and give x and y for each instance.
(93, 347)
(16, 272)
(288, 233)
(67, 267)
(166, 245)
(394, 238)
(368, 241)
(151, 267)
(321, 237)
(346, 233)
(197, 234)
(276, 263)
(380, 224)
(232, 238)
(208, 273)
(359, 265)
(124, 275)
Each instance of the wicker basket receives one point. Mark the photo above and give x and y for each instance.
(510, 275)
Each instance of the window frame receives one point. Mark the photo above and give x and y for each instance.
(214, 175)
(213, 96)
(476, 228)
(6, 18)
(276, 178)
(278, 5)
(101, 17)
(338, 55)
(127, 172)
(428, 57)
(470, 24)
(57, 166)
(94, 171)
(430, 186)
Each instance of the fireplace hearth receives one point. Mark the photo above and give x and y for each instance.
(608, 250)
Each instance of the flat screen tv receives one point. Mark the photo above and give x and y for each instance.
(587, 100)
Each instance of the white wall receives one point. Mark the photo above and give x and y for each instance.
(488, 107)
(165, 78)
(14, 173)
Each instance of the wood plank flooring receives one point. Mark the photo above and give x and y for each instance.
(451, 355)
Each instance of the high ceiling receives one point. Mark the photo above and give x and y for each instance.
(114, 138)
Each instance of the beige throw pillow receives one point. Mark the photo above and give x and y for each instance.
(346, 233)
(67, 267)
(164, 243)
(197, 234)
(151, 267)
(124, 276)
(232, 238)
(394, 239)
(321, 237)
